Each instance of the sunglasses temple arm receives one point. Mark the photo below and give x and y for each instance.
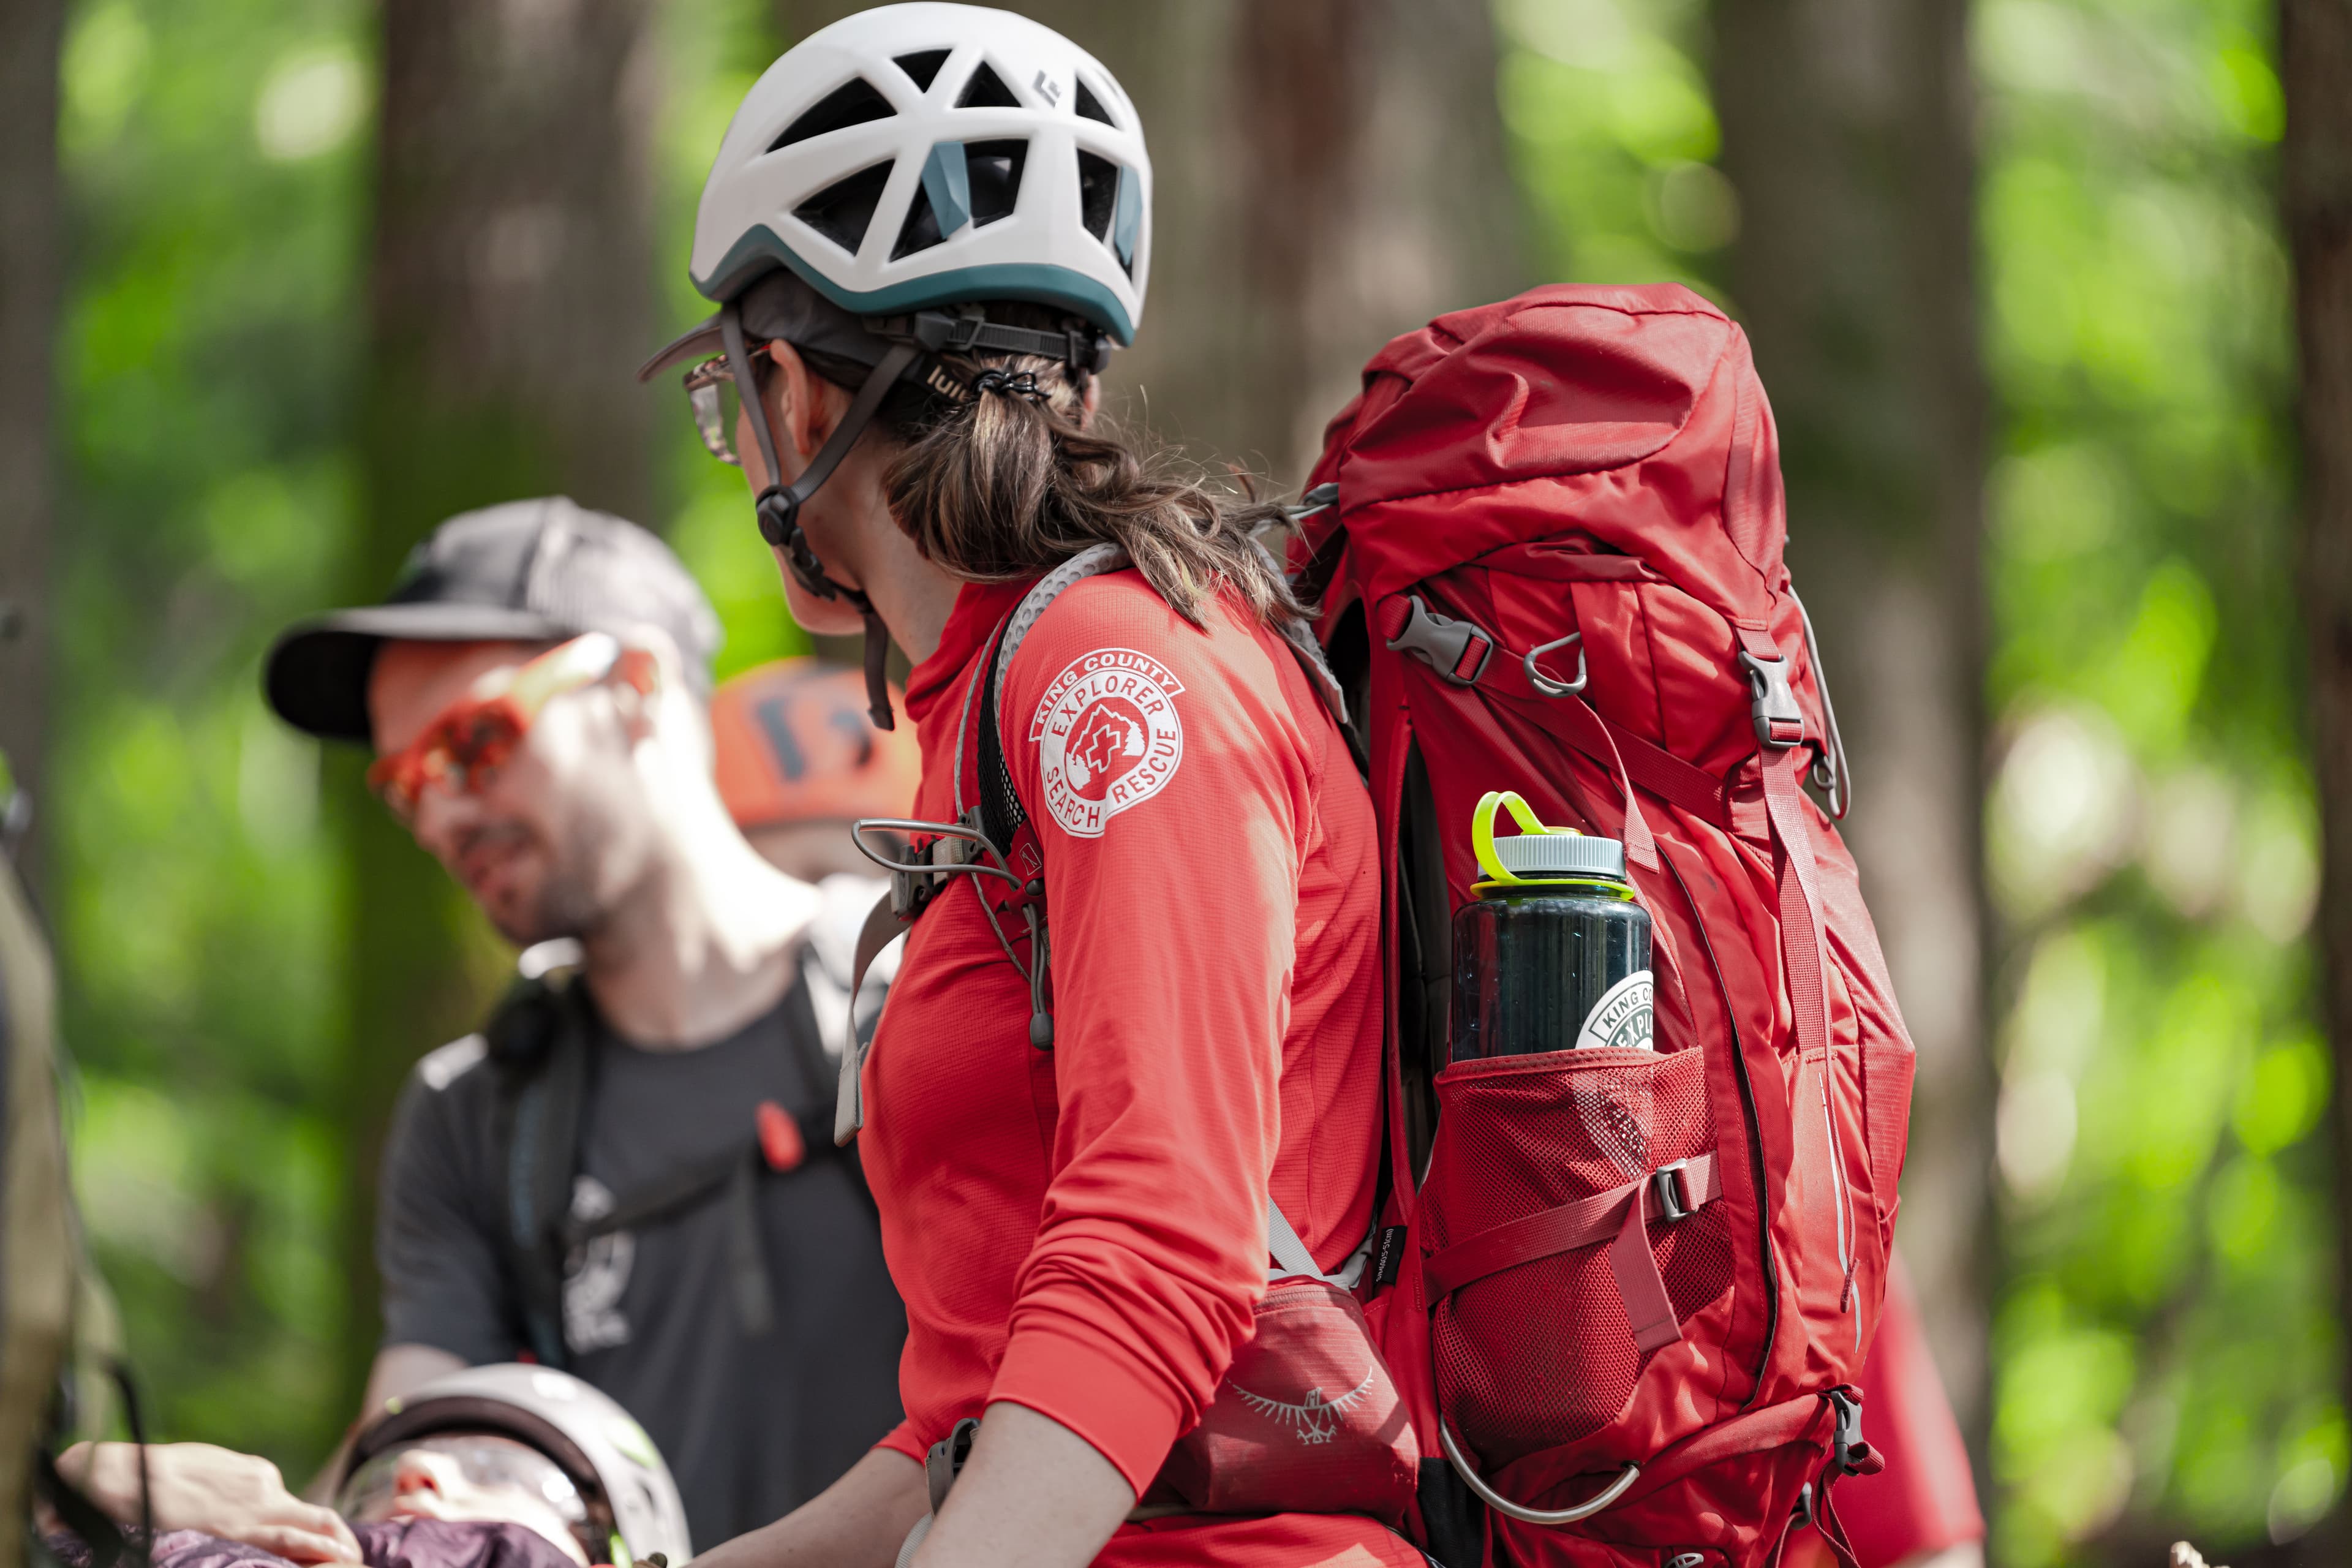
(747, 385)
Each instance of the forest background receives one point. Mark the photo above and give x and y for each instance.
(282, 282)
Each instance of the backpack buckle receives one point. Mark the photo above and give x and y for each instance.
(1849, 1454)
(1772, 702)
(1670, 1192)
(1457, 650)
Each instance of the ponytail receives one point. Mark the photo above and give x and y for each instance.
(1013, 482)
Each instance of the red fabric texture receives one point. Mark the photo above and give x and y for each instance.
(1602, 462)
(1083, 1232)
(1925, 1501)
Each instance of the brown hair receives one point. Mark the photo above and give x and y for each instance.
(1007, 486)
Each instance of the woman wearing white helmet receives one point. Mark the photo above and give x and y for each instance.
(926, 230)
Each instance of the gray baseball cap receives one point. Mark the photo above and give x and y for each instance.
(528, 571)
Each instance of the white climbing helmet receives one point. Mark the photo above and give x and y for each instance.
(931, 154)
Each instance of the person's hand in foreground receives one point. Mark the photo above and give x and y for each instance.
(196, 1485)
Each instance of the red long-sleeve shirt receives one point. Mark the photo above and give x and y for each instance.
(1083, 1232)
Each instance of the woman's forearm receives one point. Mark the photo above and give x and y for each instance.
(1033, 1494)
(857, 1522)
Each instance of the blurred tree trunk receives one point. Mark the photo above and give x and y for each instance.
(2315, 70)
(30, 32)
(1327, 173)
(510, 301)
(1847, 132)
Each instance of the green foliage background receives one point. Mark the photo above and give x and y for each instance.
(2166, 1356)
(216, 161)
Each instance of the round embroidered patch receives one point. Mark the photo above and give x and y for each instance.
(1108, 737)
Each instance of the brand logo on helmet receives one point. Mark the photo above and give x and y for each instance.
(1312, 1418)
(1108, 737)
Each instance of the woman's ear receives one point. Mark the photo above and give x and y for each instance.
(802, 415)
(1090, 403)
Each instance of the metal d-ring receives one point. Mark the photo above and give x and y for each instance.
(1503, 1505)
(1545, 683)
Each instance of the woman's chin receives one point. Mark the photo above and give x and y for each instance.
(834, 618)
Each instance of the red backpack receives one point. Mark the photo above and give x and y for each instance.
(1633, 1290)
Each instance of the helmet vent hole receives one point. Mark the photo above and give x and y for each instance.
(986, 90)
(1098, 193)
(1089, 107)
(996, 171)
(922, 66)
(842, 211)
(854, 103)
(921, 229)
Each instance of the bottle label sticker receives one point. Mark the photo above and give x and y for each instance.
(1619, 1021)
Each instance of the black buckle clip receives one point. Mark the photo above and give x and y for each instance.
(1669, 1192)
(1848, 1451)
(912, 893)
(1780, 722)
(1442, 641)
(947, 1458)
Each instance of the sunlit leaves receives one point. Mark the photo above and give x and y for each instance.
(208, 334)
(218, 193)
(2151, 818)
(309, 104)
(1616, 136)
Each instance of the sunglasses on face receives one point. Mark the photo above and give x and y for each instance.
(711, 392)
(467, 742)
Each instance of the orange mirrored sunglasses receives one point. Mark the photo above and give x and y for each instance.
(470, 740)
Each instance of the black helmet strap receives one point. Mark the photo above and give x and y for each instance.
(913, 340)
(779, 505)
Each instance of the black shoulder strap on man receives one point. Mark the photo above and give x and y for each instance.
(541, 1043)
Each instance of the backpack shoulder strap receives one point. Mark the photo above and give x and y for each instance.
(539, 1042)
(1004, 820)
(1001, 811)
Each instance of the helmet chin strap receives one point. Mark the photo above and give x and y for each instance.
(779, 505)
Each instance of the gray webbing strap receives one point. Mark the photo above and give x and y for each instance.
(1291, 1259)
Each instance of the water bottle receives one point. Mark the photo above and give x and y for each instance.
(1554, 953)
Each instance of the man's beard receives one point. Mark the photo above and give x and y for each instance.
(566, 902)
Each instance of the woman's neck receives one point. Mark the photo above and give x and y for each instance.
(911, 594)
(914, 602)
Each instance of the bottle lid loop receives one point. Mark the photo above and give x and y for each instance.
(1538, 853)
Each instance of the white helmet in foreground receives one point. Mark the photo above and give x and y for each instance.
(620, 1486)
(888, 179)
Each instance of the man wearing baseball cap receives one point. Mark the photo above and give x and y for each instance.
(629, 1173)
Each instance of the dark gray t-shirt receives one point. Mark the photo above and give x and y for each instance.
(751, 1427)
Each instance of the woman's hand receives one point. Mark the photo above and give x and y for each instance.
(196, 1485)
